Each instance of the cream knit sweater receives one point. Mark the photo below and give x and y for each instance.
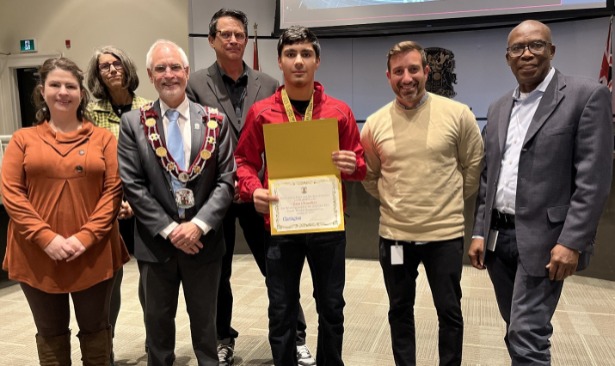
(421, 164)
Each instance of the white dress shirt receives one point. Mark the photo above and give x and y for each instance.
(524, 108)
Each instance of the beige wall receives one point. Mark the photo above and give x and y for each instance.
(132, 25)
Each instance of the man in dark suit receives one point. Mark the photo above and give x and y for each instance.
(547, 174)
(177, 167)
(232, 86)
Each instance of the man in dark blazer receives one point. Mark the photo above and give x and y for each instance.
(232, 86)
(179, 198)
(546, 178)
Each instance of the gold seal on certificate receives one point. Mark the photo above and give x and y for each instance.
(306, 205)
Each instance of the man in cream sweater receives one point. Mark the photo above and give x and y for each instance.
(423, 155)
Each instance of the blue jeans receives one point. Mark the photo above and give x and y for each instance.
(285, 255)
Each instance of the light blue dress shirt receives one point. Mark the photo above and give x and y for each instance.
(524, 108)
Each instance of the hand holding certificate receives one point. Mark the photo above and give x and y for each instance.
(303, 177)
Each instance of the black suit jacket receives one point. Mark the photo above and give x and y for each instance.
(147, 186)
(564, 173)
(207, 88)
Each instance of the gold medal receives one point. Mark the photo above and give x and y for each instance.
(161, 152)
(212, 124)
(197, 169)
(171, 166)
(205, 154)
(150, 122)
(183, 177)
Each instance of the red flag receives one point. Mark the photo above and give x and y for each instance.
(606, 69)
(255, 62)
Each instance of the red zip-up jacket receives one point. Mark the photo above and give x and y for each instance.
(251, 144)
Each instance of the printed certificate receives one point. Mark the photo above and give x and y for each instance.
(306, 205)
(302, 175)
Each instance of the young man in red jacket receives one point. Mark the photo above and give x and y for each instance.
(300, 99)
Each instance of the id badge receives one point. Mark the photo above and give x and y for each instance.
(493, 239)
(184, 198)
(397, 254)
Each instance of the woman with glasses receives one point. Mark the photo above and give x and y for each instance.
(112, 78)
(61, 188)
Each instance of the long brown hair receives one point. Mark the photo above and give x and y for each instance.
(63, 63)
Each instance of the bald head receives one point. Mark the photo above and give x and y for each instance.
(532, 65)
(529, 26)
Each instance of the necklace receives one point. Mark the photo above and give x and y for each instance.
(211, 121)
(121, 109)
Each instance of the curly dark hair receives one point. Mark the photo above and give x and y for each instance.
(63, 63)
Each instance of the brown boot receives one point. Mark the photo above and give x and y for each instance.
(96, 347)
(54, 351)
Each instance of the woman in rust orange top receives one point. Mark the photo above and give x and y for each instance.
(62, 191)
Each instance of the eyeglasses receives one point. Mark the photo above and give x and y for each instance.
(227, 35)
(535, 47)
(161, 69)
(106, 67)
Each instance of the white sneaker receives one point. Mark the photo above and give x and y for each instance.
(304, 356)
(226, 354)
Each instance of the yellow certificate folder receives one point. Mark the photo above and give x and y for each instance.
(302, 150)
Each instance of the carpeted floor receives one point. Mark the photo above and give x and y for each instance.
(584, 322)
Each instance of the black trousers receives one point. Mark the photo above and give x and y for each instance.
(286, 254)
(253, 226)
(161, 282)
(443, 265)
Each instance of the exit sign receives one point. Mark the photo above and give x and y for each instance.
(27, 45)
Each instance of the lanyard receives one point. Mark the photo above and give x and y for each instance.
(289, 108)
